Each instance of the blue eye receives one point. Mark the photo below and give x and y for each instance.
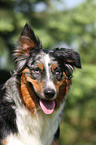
(36, 70)
(57, 72)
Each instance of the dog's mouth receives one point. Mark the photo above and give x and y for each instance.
(47, 106)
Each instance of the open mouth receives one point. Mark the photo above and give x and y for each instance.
(47, 106)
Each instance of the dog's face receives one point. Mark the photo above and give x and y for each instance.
(47, 73)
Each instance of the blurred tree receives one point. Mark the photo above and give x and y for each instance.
(75, 27)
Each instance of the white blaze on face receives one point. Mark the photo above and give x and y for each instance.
(48, 106)
(47, 64)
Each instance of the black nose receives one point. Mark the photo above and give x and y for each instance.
(49, 93)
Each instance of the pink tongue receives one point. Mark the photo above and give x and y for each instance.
(47, 106)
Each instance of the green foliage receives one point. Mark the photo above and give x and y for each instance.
(79, 123)
(76, 27)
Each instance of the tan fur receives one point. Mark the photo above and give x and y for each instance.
(38, 86)
(54, 66)
(55, 142)
(27, 94)
(41, 66)
(62, 88)
(4, 142)
(25, 45)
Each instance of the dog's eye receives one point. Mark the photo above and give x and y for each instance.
(36, 70)
(57, 72)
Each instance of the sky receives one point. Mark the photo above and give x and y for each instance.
(68, 4)
(63, 5)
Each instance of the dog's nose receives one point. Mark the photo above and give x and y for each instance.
(49, 93)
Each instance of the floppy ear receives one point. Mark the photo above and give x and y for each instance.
(69, 56)
(26, 43)
(68, 59)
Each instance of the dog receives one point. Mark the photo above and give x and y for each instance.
(32, 100)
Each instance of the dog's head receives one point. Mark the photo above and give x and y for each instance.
(45, 74)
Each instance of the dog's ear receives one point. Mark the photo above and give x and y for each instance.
(68, 56)
(27, 42)
(68, 59)
(73, 58)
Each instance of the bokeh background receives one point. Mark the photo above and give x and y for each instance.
(70, 23)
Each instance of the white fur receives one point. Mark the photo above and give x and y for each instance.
(47, 60)
(37, 129)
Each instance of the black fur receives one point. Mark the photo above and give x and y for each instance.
(28, 32)
(57, 134)
(67, 56)
(7, 113)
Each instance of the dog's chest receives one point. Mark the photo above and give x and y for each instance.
(38, 129)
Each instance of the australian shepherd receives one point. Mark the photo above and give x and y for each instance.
(32, 100)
